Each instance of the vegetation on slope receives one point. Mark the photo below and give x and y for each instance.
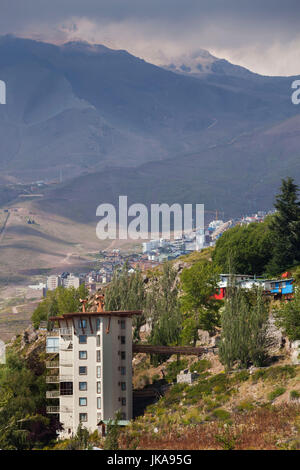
(268, 248)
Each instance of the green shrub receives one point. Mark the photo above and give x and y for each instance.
(155, 378)
(173, 368)
(210, 405)
(221, 414)
(245, 406)
(174, 395)
(275, 374)
(276, 393)
(294, 395)
(193, 416)
(200, 366)
(227, 439)
(242, 376)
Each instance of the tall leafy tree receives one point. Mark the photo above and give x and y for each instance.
(288, 316)
(57, 302)
(127, 292)
(199, 283)
(163, 309)
(23, 420)
(245, 249)
(244, 337)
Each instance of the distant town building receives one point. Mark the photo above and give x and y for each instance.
(65, 280)
(53, 282)
(72, 281)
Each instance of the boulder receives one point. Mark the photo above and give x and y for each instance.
(295, 352)
(203, 338)
(30, 335)
(275, 336)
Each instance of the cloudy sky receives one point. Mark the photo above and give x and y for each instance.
(263, 35)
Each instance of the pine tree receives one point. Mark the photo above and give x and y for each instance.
(285, 228)
(113, 433)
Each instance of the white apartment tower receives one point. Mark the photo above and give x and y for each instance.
(53, 282)
(90, 368)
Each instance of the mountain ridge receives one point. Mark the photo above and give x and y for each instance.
(93, 115)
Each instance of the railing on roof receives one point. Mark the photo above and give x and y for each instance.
(60, 331)
(53, 332)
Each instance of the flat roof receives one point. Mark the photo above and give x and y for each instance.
(110, 313)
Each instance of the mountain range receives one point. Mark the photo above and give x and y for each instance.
(104, 123)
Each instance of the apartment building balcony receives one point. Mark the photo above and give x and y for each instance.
(52, 409)
(58, 409)
(52, 379)
(65, 331)
(52, 364)
(60, 332)
(57, 364)
(53, 333)
(53, 394)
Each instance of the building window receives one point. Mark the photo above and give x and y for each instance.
(82, 401)
(98, 356)
(99, 403)
(98, 324)
(98, 372)
(123, 370)
(81, 323)
(123, 415)
(66, 388)
(123, 386)
(123, 401)
(82, 386)
(83, 417)
(82, 370)
(82, 354)
(123, 324)
(123, 355)
(82, 339)
(98, 341)
(98, 387)
(123, 340)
